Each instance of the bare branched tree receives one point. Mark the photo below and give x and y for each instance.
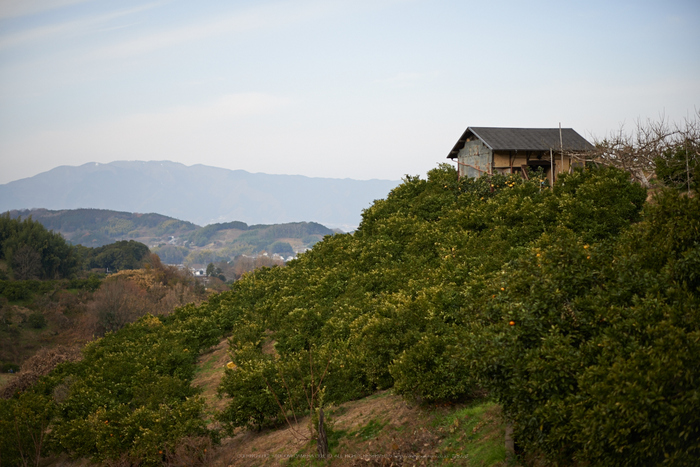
(639, 151)
(117, 303)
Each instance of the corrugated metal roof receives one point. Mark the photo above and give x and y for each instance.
(524, 139)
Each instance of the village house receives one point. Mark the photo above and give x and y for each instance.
(489, 150)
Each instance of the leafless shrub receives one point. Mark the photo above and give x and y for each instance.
(167, 275)
(116, 304)
(58, 320)
(190, 451)
(176, 296)
(39, 365)
(245, 264)
(638, 151)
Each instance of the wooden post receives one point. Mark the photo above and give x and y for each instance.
(523, 168)
(551, 167)
(322, 442)
(561, 146)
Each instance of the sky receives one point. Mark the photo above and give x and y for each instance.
(363, 89)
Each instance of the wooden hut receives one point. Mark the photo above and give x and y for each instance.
(490, 150)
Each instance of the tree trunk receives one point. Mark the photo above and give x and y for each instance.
(510, 442)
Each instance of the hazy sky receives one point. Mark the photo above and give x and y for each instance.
(327, 88)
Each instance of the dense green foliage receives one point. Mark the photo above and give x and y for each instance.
(131, 392)
(575, 307)
(23, 424)
(599, 365)
(22, 290)
(387, 303)
(679, 167)
(32, 252)
(582, 327)
(130, 395)
(115, 256)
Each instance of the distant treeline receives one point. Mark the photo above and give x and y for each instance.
(261, 233)
(203, 236)
(31, 251)
(98, 227)
(115, 256)
(177, 241)
(105, 221)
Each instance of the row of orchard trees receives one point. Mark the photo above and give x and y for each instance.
(129, 399)
(576, 307)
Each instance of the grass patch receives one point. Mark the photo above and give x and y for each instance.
(378, 395)
(472, 436)
(337, 411)
(369, 431)
(75, 292)
(207, 366)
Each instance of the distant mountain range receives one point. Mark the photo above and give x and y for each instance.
(199, 194)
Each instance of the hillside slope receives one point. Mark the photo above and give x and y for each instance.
(381, 429)
(575, 308)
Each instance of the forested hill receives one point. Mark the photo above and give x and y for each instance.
(575, 307)
(177, 241)
(199, 194)
(99, 227)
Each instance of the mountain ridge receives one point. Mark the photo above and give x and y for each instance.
(199, 193)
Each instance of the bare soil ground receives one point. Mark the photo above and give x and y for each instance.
(380, 430)
(6, 379)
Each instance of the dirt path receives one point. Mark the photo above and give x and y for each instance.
(210, 370)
